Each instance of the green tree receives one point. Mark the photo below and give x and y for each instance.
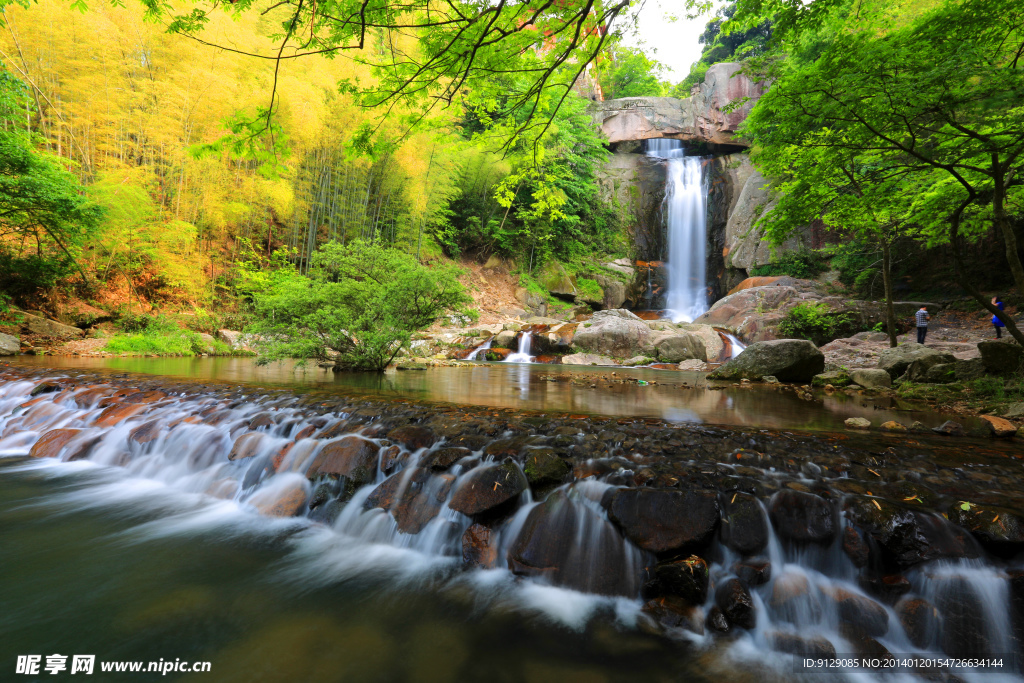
(925, 116)
(358, 306)
(44, 219)
(631, 73)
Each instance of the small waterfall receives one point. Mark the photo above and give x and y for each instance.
(686, 197)
(483, 347)
(523, 355)
(735, 345)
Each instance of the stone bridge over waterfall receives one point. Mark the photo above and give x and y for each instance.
(698, 118)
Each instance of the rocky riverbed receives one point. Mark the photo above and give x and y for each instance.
(705, 525)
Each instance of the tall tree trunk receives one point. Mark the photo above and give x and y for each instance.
(890, 311)
(1005, 227)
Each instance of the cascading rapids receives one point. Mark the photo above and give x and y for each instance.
(686, 196)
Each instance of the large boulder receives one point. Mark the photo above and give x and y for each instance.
(753, 313)
(9, 345)
(616, 332)
(614, 291)
(35, 324)
(662, 520)
(714, 346)
(587, 359)
(789, 360)
(1001, 357)
(938, 368)
(897, 360)
(679, 346)
(238, 341)
(557, 280)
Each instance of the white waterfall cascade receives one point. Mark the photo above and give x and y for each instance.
(523, 355)
(686, 199)
(483, 347)
(735, 345)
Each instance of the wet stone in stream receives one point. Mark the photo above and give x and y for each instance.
(685, 517)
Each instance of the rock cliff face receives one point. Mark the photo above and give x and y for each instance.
(697, 118)
(745, 246)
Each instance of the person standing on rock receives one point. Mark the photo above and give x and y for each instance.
(996, 322)
(922, 318)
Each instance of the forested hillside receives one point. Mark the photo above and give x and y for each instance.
(169, 140)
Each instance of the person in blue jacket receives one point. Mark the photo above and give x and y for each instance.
(996, 322)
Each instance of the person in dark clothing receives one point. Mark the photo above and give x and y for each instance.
(922, 319)
(996, 322)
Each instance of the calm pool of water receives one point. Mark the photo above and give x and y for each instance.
(677, 396)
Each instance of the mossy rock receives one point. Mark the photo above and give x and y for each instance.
(838, 378)
(543, 466)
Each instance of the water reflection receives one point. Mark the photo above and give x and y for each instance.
(670, 395)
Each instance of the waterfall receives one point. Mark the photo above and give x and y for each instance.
(523, 355)
(686, 198)
(483, 347)
(735, 345)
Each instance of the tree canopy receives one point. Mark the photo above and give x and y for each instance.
(923, 124)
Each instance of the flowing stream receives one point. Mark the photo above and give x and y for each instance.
(686, 196)
(398, 518)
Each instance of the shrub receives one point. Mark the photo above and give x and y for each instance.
(359, 305)
(816, 322)
(589, 290)
(804, 264)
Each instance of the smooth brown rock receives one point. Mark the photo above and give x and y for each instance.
(479, 548)
(1000, 427)
(814, 646)
(114, 414)
(660, 520)
(413, 437)
(804, 517)
(145, 433)
(350, 456)
(289, 503)
(861, 616)
(51, 443)
(488, 487)
(755, 571)
(744, 525)
(246, 446)
(443, 458)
